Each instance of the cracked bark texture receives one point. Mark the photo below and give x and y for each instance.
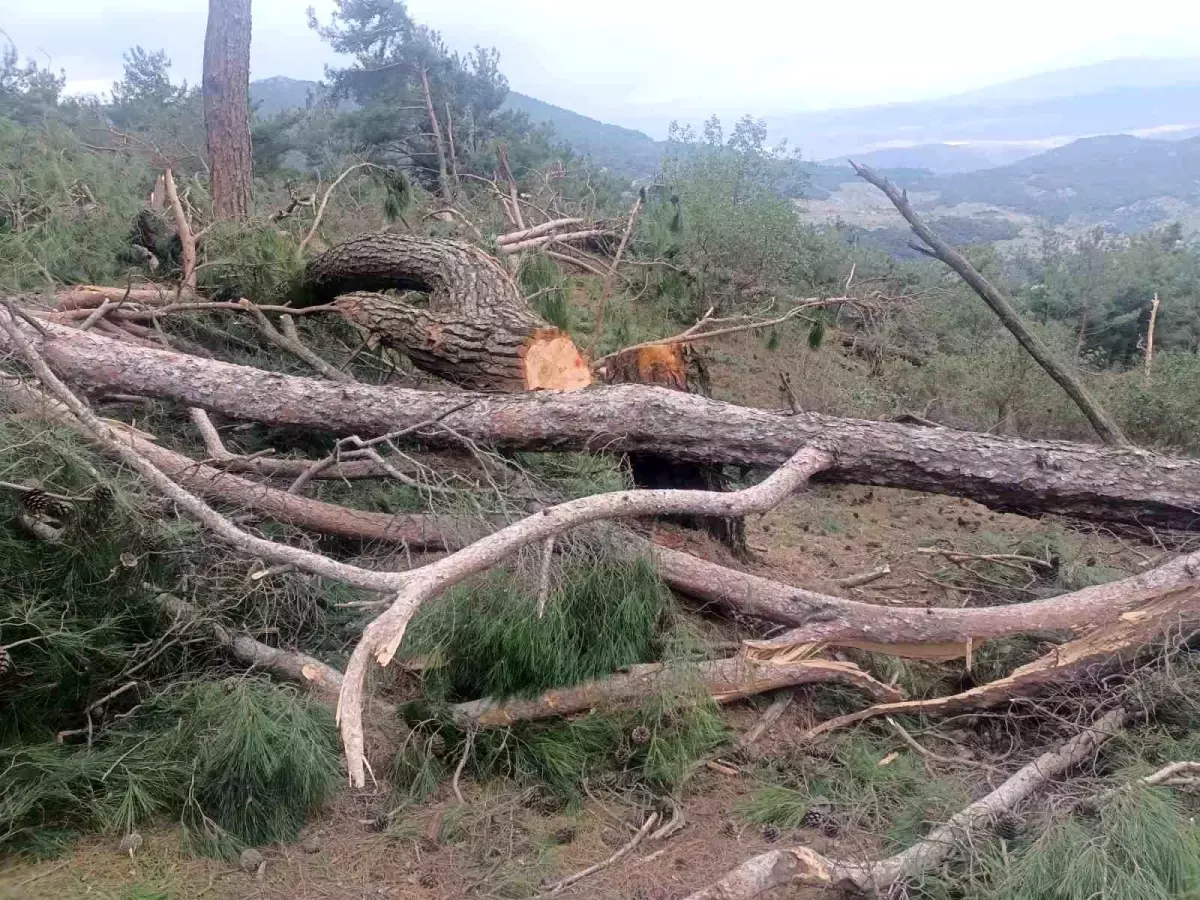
(226, 90)
(476, 330)
(1040, 477)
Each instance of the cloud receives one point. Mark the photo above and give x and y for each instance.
(643, 61)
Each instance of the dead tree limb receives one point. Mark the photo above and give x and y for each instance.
(518, 219)
(443, 172)
(566, 238)
(187, 240)
(418, 532)
(800, 866)
(1033, 477)
(296, 347)
(476, 330)
(1137, 634)
(516, 237)
(116, 442)
(726, 680)
(915, 632)
(1105, 427)
(323, 680)
(381, 638)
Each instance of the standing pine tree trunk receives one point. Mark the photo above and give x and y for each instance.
(227, 106)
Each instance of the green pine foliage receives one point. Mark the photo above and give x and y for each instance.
(900, 800)
(1139, 845)
(546, 287)
(490, 642)
(487, 641)
(239, 763)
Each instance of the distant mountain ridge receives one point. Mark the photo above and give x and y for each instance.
(622, 149)
(989, 146)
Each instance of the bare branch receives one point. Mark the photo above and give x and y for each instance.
(802, 866)
(1105, 427)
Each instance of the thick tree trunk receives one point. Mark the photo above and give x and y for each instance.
(476, 329)
(1039, 477)
(664, 365)
(226, 91)
(915, 632)
(726, 680)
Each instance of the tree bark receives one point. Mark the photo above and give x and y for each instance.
(1036, 477)
(1108, 430)
(664, 365)
(476, 329)
(726, 680)
(418, 532)
(1168, 620)
(914, 632)
(226, 88)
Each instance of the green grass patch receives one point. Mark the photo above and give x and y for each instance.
(490, 642)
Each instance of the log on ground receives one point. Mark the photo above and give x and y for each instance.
(1035, 477)
(725, 680)
(475, 329)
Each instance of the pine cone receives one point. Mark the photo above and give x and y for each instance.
(729, 828)
(640, 735)
(564, 835)
(102, 495)
(45, 507)
(5, 660)
(771, 833)
(437, 744)
(428, 880)
(623, 754)
(819, 814)
(101, 503)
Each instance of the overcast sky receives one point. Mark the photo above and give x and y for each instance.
(640, 61)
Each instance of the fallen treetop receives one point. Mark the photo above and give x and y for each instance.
(1041, 477)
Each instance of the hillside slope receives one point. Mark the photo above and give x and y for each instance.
(623, 150)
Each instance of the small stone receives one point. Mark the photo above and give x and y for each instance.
(311, 844)
(132, 843)
(250, 860)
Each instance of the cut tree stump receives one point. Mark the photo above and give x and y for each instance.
(475, 329)
(664, 365)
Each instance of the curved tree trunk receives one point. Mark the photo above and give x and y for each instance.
(226, 91)
(476, 329)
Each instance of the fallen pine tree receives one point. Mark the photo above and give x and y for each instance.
(1035, 477)
(914, 632)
